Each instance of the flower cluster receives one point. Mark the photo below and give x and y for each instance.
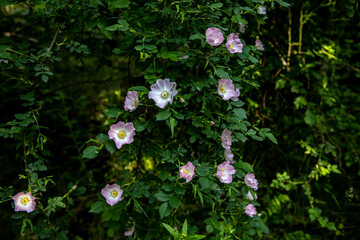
(251, 182)
(215, 37)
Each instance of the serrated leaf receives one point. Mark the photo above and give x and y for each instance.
(204, 182)
(238, 103)
(163, 115)
(164, 210)
(97, 207)
(110, 146)
(90, 152)
(240, 113)
(222, 74)
(174, 202)
(245, 166)
(119, 4)
(113, 112)
(161, 196)
(272, 138)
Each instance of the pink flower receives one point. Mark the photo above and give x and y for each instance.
(163, 92)
(226, 90)
(24, 202)
(251, 181)
(250, 196)
(122, 133)
(130, 232)
(233, 43)
(242, 28)
(262, 10)
(131, 101)
(214, 36)
(226, 139)
(212, 123)
(187, 171)
(259, 45)
(225, 172)
(229, 156)
(250, 210)
(112, 193)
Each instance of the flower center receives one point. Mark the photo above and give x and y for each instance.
(222, 89)
(186, 172)
(122, 134)
(231, 46)
(223, 172)
(133, 103)
(164, 94)
(24, 201)
(114, 193)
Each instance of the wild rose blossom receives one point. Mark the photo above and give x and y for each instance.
(24, 202)
(187, 171)
(233, 43)
(262, 10)
(225, 172)
(130, 231)
(112, 193)
(131, 101)
(163, 92)
(226, 90)
(122, 133)
(214, 36)
(259, 45)
(250, 210)
(229, 156)
(226, 139)
(242, 28)
(251, 181)
(250, 196)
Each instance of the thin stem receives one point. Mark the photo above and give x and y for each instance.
(54, 39)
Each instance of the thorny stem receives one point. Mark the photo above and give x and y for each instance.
(289, 44)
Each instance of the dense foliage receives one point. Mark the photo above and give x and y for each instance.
(119, 119)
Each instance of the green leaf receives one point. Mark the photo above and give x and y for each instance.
(161, 196)
(216, 5)
(163, 115)
(110, 146)
(22, 116)
(45, 78)
(245, 166)
(192, 139)
(139, 89)
(97, 207)
(164, 210)
(204, 182)
(221, 73)
(90, 152)
(28, 97)
(310, 117)
(113, 112)
(282, 3)
(240, 113)
(140, 126)
(119, 4)
(171, 230)
(272, 138)
(174, 202)
(172, 126)
(238, 103)
(253, 59)
(112, 28)
(185, 228)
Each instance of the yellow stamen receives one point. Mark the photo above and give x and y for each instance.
(122, 134)
(114, 193)
(222, 89)
(24, 200)
(165, 94)
(231, 46)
